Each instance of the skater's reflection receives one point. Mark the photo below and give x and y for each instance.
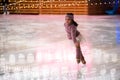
(81, 72)
(79, 75)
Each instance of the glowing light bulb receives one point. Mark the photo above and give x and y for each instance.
(113, 2)
(68, 4)
(91, 3)
(105, 3)
(82, 1)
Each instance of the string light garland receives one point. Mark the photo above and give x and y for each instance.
(51, 4)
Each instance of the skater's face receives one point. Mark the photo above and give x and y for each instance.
(68, 20)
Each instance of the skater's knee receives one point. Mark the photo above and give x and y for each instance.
(78, 46)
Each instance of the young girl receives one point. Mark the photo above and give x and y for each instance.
(74, 35)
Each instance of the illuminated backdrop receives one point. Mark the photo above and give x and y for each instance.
(59, 6)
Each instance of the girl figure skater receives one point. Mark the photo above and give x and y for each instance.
(74, 35)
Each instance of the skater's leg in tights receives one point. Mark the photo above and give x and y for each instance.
(82, 57)
(79, 55)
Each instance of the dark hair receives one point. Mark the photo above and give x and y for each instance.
(70, 14)
(73, 22)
